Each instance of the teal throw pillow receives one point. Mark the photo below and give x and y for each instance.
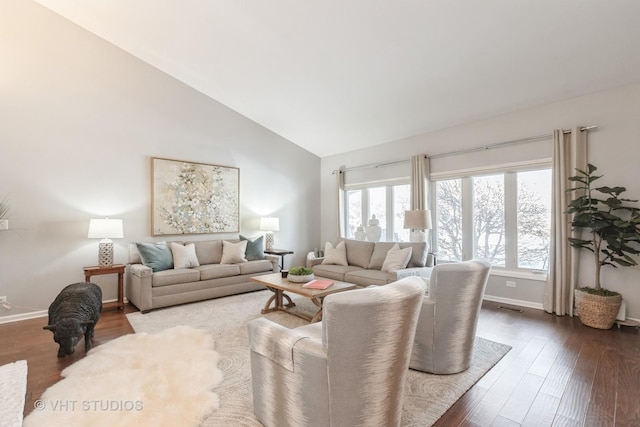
(155, 255)
(255, 248)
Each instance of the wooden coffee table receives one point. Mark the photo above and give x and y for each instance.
(278, 285)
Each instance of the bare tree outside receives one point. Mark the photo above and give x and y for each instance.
(488, 215)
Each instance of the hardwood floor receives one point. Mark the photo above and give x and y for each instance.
(558, 373)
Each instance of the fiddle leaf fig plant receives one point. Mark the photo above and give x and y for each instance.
(611, 224)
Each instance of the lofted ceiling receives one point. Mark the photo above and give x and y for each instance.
(337, 75)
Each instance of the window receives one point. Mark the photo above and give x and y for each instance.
(504, 218)
(386, 202)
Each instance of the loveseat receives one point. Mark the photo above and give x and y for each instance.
(163, 274)
(363, 263)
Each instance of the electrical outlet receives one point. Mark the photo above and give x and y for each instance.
(511, 284)
(3, 300)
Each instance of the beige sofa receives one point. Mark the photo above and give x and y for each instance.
(365, 260)
(148, 290)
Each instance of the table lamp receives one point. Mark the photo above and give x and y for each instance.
(269, 225)
(105, 229)
(417, 221)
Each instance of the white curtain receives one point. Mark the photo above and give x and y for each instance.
(339, 184)
(419, 182)
(569, 153)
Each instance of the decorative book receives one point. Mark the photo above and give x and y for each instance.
(318, 284)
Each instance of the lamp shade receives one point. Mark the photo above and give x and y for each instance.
(269, 224)
(105, 228)
(419, 219)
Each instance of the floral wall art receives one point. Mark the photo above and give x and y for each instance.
(194, 198)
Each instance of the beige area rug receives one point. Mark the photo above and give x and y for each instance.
(13, 389)
(160, 379)
(427, 397)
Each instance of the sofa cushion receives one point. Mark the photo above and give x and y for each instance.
(216, 271)
(255, 248)
(337, 255)
(369, 277)
(418, 254)
(396, 258)
(209, 251)
(359, 253)
(332, 271)
(233, 253)
(184, 256)
(173, 277)
(257, 266)
(155, 255)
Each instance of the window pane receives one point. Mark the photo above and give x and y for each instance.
(354, 209)
(534, 219)
(400, 204)
(378, 207)
(488, 219)
(449, 219)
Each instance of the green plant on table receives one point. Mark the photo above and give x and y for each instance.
(612, 224)
(300, 271)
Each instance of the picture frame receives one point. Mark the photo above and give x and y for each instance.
(194, 198)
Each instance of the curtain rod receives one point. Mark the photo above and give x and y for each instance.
(470, 150)
(505, 143)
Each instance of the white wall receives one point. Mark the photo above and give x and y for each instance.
(614, 148)
(79, 121)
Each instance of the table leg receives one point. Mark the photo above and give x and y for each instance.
(318, 302)
(120, 291)
(277, 300)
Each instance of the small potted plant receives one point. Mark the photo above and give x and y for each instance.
(300, 274)
(612, 225)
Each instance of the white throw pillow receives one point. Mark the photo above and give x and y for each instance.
(396, 258)
(337, 255)
(184, 256)
(233, 253)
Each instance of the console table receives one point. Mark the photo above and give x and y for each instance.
(109, 269)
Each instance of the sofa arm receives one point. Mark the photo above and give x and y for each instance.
(313, 260)
(274, 341)
(274, 262)
(140, 270)
(415, 271)
(139, 284)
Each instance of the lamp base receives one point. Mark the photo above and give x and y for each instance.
(105, 253)
(417, 236)
(268, 240)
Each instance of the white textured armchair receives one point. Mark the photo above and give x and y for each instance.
(349, 370)
(447, 326)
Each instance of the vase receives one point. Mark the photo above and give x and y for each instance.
(300, 279)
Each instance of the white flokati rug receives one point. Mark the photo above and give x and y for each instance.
(161, 379)
(13, 388)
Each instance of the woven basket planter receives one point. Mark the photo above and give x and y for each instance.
(597, 311)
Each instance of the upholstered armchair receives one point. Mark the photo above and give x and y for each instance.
(348, 370)
(447, 326)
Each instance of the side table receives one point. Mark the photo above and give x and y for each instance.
(109, 269)
(279, 252)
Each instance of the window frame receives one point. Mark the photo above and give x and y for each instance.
(365, 211)
(510, 211)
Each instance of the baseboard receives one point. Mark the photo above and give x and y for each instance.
(528, 304)
(36, 314)
(517, 302)
(23, 316)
